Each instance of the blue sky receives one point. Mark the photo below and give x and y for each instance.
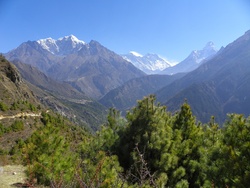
(170, 28)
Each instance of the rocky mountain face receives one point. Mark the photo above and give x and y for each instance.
(149, 63)
(12, 85)
(194, 60)
(89, 67)
(219, 86)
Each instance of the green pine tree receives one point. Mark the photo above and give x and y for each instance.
(187, 147)
(48, 157)
(232, 157)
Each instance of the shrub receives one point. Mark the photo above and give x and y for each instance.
(3, 107)
(2, 129)
(17, 126)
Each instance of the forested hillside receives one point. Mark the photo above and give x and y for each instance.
(149, 148)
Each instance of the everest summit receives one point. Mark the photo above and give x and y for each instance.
(149, 63)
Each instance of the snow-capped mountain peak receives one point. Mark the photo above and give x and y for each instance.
(149, 63)
(49, 44)
(71, 38)
(209, 45)
(135, 54)
(62, 46)
(199, 55)
(196, 58)
(209, 50)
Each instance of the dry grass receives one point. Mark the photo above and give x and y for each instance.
(11, 174)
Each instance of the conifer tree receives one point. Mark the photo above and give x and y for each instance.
(212, 143)
(48, 155)
(149, 131)
(189, 170)
(232, 158)
(97, 166)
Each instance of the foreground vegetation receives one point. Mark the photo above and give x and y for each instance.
(149, 148)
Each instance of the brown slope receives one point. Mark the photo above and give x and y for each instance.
(18, 104)
(63, 98)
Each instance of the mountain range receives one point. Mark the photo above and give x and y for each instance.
(89, 67)
(213, 82)
(220, 85)
(154, 64)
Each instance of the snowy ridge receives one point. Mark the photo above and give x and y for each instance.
(49, 44)
(154, 64)
(194, 60)
(135, 54)
(149, 63)
(72, 38)
(62, 46)
(199, 55)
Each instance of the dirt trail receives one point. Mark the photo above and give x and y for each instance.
(23, 114)
(11, 174)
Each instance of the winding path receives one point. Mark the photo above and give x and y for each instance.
(23, 114)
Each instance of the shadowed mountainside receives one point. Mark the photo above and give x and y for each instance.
(217, 87)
